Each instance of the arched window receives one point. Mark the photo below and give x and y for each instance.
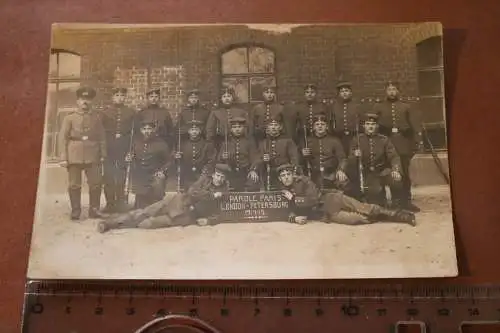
(247, 69)
(64, 80)
(431, 89)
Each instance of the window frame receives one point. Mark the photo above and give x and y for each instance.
(249, 74)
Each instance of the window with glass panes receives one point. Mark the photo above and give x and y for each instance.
(64, 80)
(431, 91)
(248, 69)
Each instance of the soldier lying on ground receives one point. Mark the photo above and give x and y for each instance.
(333, 207)
(198, 205)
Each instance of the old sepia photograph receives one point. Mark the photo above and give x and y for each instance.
(244, 151)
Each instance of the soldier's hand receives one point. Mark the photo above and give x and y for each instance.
(63, 164)
(128, 157)
(306, 151)
(217, 195)
(420, 147)
(225, 155)
(357, 152)
(178, 155)
(253, 176)
(159, 174)
(341, 176)
(266, 157)
(287, 194)
(396, 176)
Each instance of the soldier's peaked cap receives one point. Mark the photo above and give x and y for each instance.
(319, 117)
(311, 86)
(85, 92)
(153, 90)
(195, 123)
(224, 168)
(237, 120)
(344, 84)
(227, 90)
(370, 117)
(392, 83)
(122, 90)
(269, 88)
(284, 167)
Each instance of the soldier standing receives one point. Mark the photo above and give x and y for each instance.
(403, 125)
(276, 150)
(118, 121)
(193, 111)
(149, 165)
(83, 148)
(218, 121)
(261, 114)
(380, 163)
(159, 115)
(196, 155)
(305, 112)
(346, 115)
(325, 157)
(199, 205)
(240, 153)
(306, 203)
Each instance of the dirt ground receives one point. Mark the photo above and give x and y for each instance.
(278, 250)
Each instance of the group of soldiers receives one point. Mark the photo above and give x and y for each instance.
(337, 147)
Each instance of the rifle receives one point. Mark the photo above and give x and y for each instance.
(309, 172)
(129, 163)
(360, 161)
(178, 116)
(268, 167)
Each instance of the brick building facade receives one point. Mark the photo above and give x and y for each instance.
(183, 57)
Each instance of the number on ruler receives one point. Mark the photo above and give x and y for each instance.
(224, 312)
(474, 312)
(99, 310)
(350, 310)
(130, 311)
(37, 308)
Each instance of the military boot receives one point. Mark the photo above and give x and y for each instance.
(129, 220)
(391, 215)
(94, 203)
(75, 196)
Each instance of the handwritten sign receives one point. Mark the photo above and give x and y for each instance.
(253, 207)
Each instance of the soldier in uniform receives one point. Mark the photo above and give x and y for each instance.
(193, 111)
(118, 121)
(263, 112)
(198, 206)
(161, 117)
(196, 155)
(346, 114)
(149, 165)
(306, 110)
(307, 203)
(380, 163)
(83, 148)
(403, 126)
(218, 121)
(276, 150)
(240, 153)
(324, 157)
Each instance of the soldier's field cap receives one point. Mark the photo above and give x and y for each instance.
(237, 120)
(344, 84)
(311, 86)
(153, 90)
(85, 92)
(224, 168)
(195, 123)
(193, 92)
(227, 90)
(319, 117)
(147, 122)
(392, 83)
(269, 88)
(371, 117)
(122, 90)
(286, 166)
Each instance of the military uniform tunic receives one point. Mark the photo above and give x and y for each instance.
(149, 156)
(346, 121)
(242, 159)
(263, 113)
(379, 158)
(118, 121)
(306, 196)
(282, 150)
(197, 157)
(218, 122)
(327, 157)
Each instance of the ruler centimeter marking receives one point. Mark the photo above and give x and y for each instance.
(374, 308)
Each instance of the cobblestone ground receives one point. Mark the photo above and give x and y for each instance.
(65, 249)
